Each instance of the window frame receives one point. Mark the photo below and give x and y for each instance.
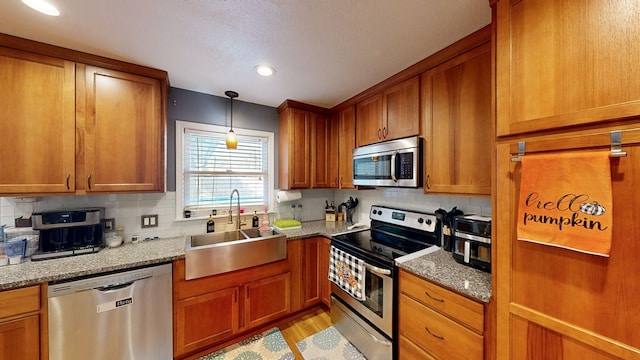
(181, 126)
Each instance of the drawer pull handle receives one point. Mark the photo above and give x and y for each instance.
(434, 335)
(436, 299)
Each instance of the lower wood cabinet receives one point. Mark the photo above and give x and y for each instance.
(434, 322)
(325, 284)
(20, 323)
(214, 309)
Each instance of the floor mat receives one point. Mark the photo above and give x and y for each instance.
(328, 344)
(269, 345)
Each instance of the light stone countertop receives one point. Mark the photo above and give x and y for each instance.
(127, 256)
(438, 267)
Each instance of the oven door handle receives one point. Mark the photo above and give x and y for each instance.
(377, 270)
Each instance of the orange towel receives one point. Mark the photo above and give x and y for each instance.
(565, 201)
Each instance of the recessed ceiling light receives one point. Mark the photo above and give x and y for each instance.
(264, 70)
(42, 6)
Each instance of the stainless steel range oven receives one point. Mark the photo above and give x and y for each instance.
(366, 317)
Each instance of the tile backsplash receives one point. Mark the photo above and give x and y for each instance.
(126, 209)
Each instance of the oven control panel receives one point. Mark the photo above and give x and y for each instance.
(413, 219)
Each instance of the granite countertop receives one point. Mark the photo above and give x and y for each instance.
(127, 256)
(439, 267)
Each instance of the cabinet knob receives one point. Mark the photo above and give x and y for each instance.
(89, 181)
(433, 298)
(384, 132)
(428, 184)
(379, 134)
(68, 177)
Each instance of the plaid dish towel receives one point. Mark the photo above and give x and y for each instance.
(348, 272)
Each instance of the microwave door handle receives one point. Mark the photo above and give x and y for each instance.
(393, 166)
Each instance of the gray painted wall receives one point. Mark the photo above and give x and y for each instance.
(186, 105)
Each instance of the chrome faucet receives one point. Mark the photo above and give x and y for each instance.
(231, 204)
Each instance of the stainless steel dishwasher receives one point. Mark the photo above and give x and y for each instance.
(122, 315)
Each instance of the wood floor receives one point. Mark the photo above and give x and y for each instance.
(304, 327)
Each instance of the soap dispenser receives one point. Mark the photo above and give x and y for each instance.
(255, 220)
(211, 225)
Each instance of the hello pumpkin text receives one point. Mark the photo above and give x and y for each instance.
(567, 203)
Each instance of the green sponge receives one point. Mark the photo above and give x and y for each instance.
(286, 223)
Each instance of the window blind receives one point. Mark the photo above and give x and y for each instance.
(211, 171)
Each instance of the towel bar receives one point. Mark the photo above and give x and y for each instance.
(615, 143)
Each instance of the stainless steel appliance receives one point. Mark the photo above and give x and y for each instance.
(122, 315)
(472, 241)
(391, 163)
(68, 232)
(369, 324)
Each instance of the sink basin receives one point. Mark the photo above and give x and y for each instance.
(220, 252)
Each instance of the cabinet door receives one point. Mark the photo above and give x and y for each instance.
(457, 117)
(563, 63)
(369, 120)
(294, 135)
(323, 278)
(401, 109)
(576, 285)
(37, 111)
(267, 299)
(206, 319)
(20, 339)
(347, 142)
(321, 163)
(123, 126)
(311, 289)
(334, 151)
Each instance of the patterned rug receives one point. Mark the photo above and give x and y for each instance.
(328, 344)
(269, 345)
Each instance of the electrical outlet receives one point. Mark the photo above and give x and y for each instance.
(109, 225)
(148, 221)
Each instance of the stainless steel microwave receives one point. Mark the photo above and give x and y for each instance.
(396, 163)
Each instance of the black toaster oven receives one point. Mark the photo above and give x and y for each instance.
(472, 241)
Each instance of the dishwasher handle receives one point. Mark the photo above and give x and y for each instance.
(114, 287)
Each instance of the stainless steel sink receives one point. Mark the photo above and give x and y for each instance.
(220, 252)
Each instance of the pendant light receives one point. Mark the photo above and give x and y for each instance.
(232, 139)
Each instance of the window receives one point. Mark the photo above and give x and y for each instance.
(207, 173)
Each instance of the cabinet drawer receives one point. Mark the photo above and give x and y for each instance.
(465, 310)
(19, 301)
(442, 337)
(408, 350)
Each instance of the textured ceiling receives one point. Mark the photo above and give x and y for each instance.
(324, 51)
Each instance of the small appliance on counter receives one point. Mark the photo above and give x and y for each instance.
(68, 232)
(472, 241)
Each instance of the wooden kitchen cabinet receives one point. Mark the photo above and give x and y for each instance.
(585, 310)
(78, 128)
(20, 323)
(346, 144)
(304, 146)
(390, 114)
(323, 278)
(563, 63)
(206, 319)
(37, 97)
(123, 132)
(456, 98)
(267, 299)
(214, 309)
(436, 321)
(322, 148)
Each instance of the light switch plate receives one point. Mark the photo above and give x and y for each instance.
(109, 225)
(148, 221)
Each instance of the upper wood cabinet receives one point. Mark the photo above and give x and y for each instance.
(71, 127)
(346, 144)
(305, 146)
(456, 98)
(333, 155)
(390, 114)
(37, 111)
(322, 147)
(123, 137)
(294, 131)
(562, 63)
